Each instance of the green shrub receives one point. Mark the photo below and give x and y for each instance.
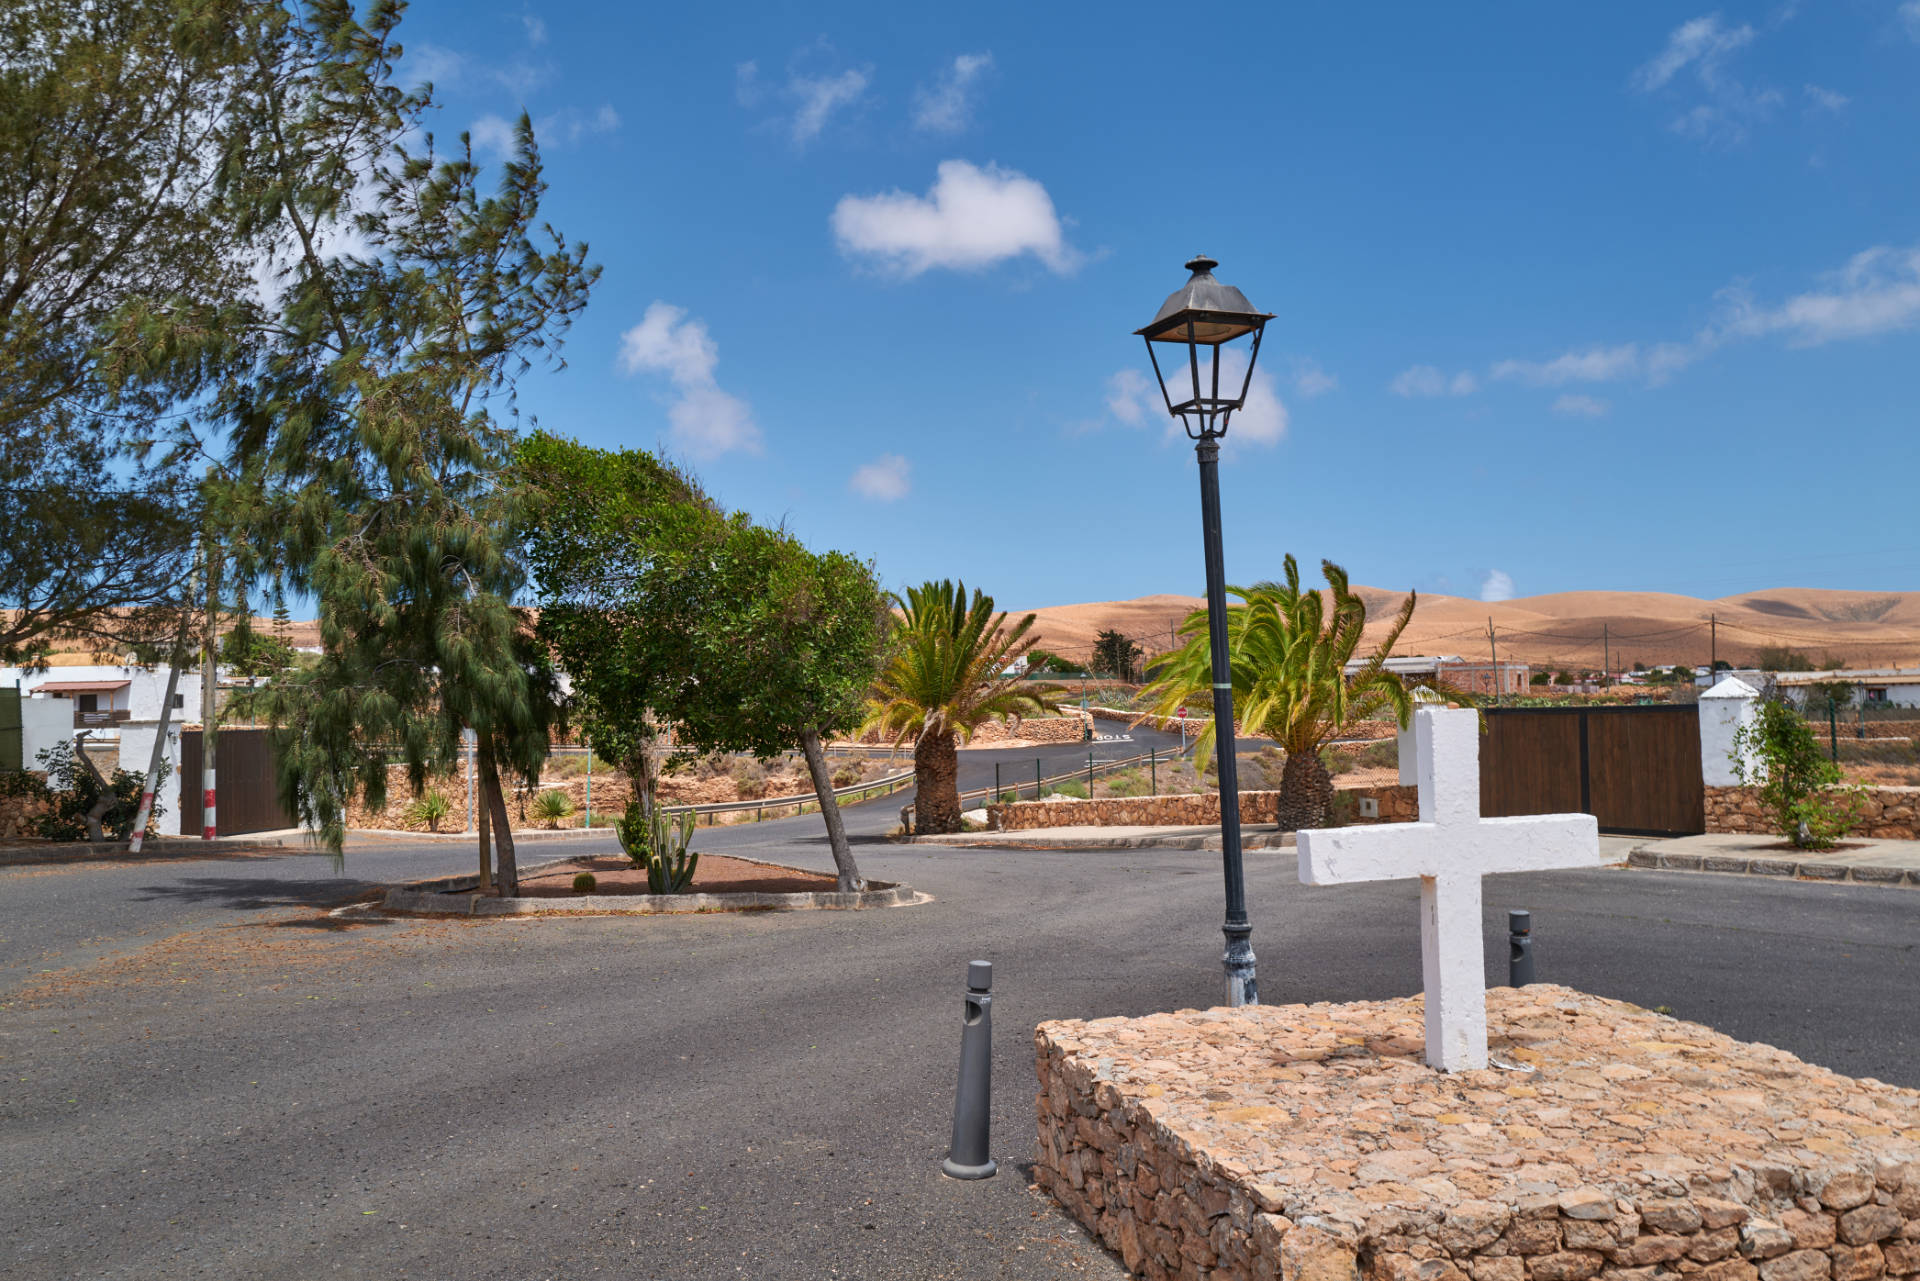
(1072, 787)
(69, 791)
(1796, 781)
(430, 809)
(553, 807)
(1009, 797)
(584, 883)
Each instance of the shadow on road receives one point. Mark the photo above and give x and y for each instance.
(252, 894)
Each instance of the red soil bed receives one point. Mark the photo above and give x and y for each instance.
(716, 874)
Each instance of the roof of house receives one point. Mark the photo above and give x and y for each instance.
(78, 687)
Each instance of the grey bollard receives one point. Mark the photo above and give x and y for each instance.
(973, 1102)
(1520, 936)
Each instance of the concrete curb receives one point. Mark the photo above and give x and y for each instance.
(1037, 840)
(1808, 870)
(113, 851)
(444, 897)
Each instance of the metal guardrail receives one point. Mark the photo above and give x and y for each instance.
(1092, 770)
(857, 792)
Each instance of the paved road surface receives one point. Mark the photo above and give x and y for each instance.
(215, 1081)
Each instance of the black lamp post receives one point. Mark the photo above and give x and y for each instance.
(1205, 313)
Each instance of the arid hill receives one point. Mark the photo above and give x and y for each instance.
(1571, 629)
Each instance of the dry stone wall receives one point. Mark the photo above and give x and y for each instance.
(1397, 805)
(1886, 813)
(1311, 1143)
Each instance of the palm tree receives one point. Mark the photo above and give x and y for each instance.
(1289, 653)
(948, 674)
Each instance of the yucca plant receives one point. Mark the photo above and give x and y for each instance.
(947, 675)
(430, 809)
(554, 807)
(1289, 649)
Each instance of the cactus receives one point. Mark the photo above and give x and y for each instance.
(585, 883)
(659, 844)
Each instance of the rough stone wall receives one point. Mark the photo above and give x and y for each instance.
(17, 811)
(1886, 813)
(1439, 1191)
(1068, 728)
(1397, 805)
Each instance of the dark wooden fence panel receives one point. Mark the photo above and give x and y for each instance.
(1644, 769)
(247, 800)
(1530, 765)
(1636, 769)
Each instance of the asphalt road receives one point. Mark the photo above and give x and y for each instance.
(206, 1077)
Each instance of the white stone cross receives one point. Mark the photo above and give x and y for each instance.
(1450, 849)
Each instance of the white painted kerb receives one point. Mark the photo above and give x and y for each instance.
(1450, 849)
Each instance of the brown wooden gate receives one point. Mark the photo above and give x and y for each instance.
(1636, 769)
(247, 801)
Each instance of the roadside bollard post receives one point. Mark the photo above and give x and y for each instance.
(973, 1101)
(1037, 790)
(1089, 775)
(1520, 937)
(1153, 771)
(997, 793)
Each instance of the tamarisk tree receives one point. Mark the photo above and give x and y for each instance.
(360, 458)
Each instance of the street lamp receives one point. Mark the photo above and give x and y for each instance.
(1205, 313)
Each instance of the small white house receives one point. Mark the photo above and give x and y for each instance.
(1876, 686)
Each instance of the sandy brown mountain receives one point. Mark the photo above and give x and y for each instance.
(1565, 629)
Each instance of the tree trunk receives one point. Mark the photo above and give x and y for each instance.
(850, 881)
(506, 871)
(483, 819)
(936, 783)
(1306, 792)
(103, 800)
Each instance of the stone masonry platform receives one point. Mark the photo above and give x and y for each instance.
(1311, 1142)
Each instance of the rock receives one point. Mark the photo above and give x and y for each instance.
(1721, 1243)
(1586, 1203)
(1844, 1189)
(1902, 1259)
(1764, 1239)
(1730, 1270)
(1801, 1265)
(1533, 1236)
(1676, 1215)
(1857, 1262)
(1715, 1213)
(1869, 1223)
(1809, 1231)
(1472, 1226)
(1309, 1253)
(1507, 1269)
(1652, 1249)
(1564, 1265)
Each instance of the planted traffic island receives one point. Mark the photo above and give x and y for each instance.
(720, 883)
(1312, 1142)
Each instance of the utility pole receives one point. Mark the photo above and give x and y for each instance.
(1493, 673)
(210, 703)
(1713, 650)
(1606, 662)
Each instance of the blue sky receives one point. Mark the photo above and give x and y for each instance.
(1611, 296)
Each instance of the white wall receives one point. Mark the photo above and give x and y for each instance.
(1723, 710)
(43, 722)
(136, 748)
(141, 699)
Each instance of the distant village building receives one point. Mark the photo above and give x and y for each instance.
(1875, 686)
(1474, 677)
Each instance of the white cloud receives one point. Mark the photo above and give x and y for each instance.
(886, 479)
(1596, 364)
(1426, 380)
(536, 28)
(444, 67)
(1577, 406)
(1877, 292)
(491, 133)
(820, 97)
(705, 421)
(816, 88)
(1134, 398)
(1130, 394)
(1704, 46)
(947, 106)
(1497, 585)
(970, 219)
(1909, 14)
(1820, 99)
(1310, 380)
